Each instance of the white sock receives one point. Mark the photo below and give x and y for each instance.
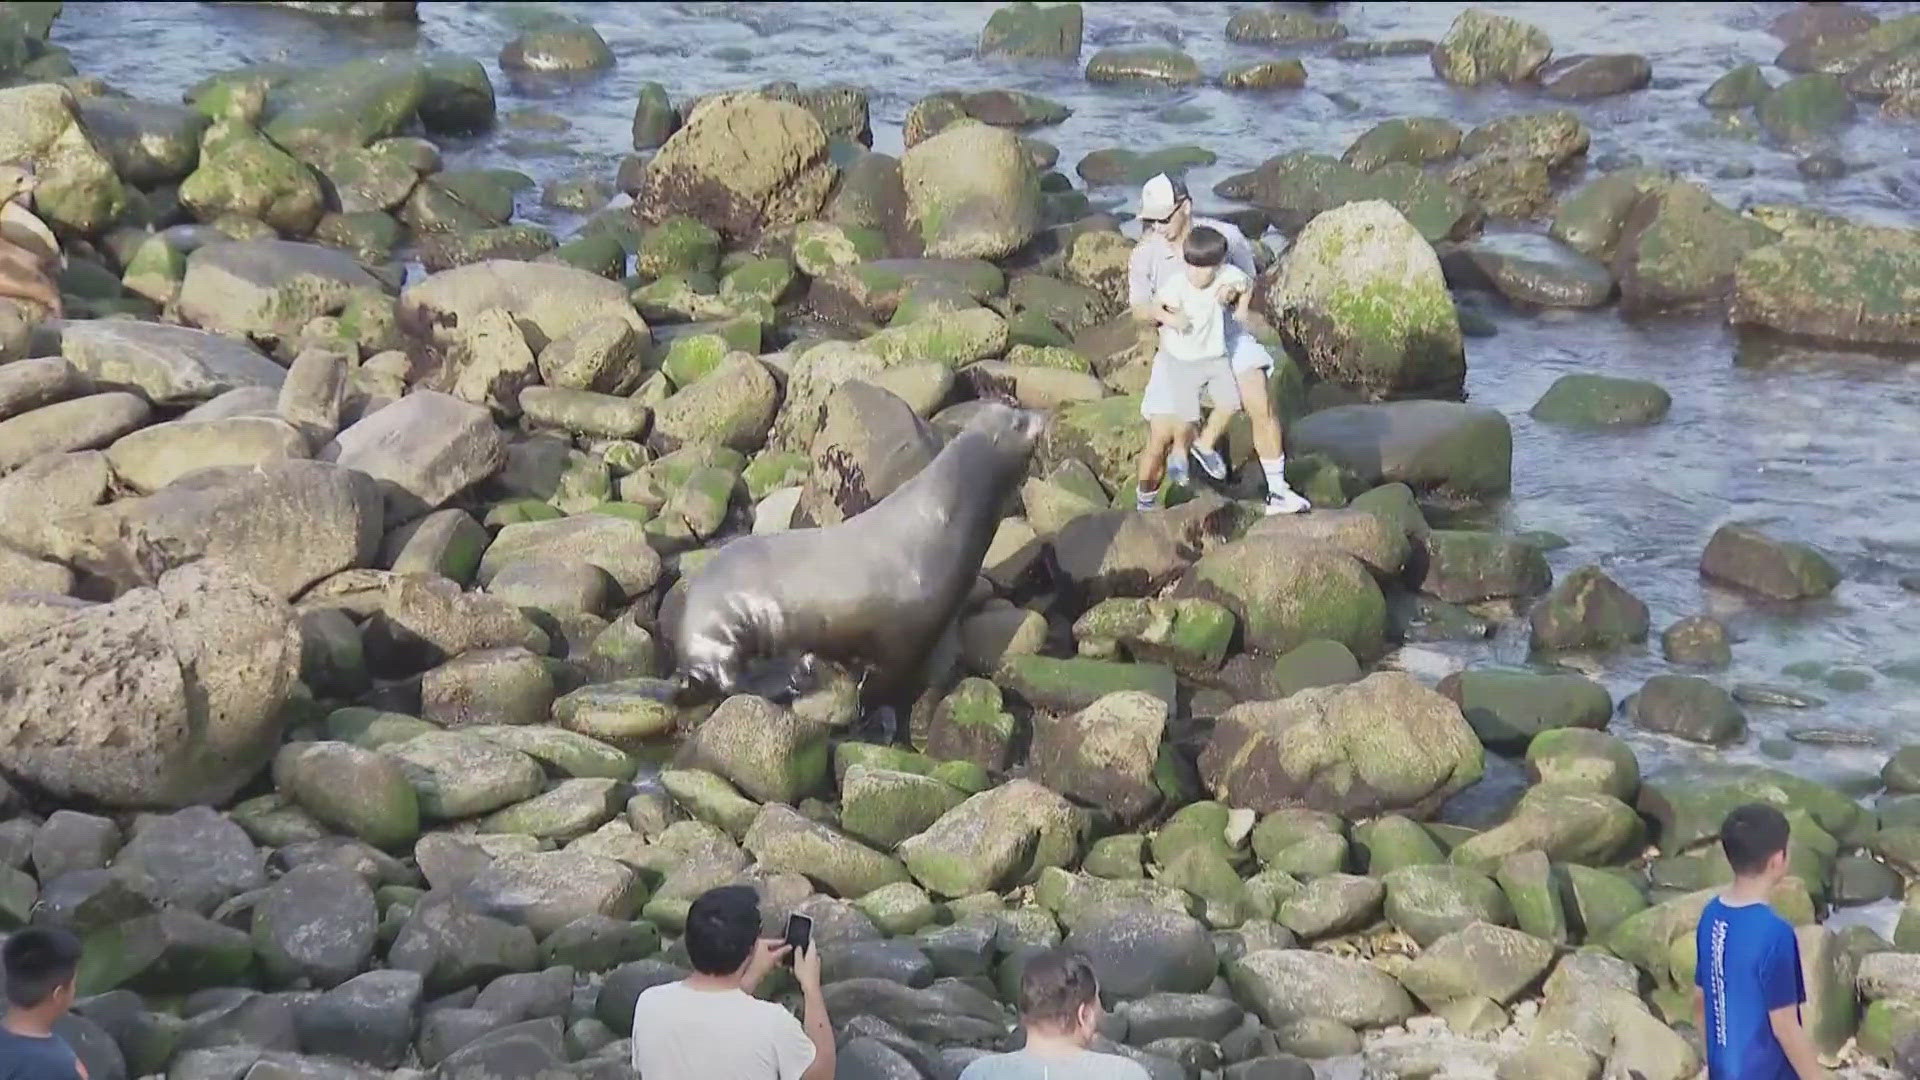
(1144, 499)
(1276, 470)
(1177, 469)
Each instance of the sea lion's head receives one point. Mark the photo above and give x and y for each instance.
(1011, 428)
(17, 183)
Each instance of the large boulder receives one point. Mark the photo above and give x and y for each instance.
(345, 107)
(742, 163)
(549, 301)
(996, 839)
(782, 841)
(1588, 610)
(1746, 558)
(1104, 754)
(617, 545)
(1286, 591)
(150, 143)
(1138, 950)
(352, 789)
(169, 365)
(1848, 285)
(869, 443)
(1508, 708)
(546, 890)
(167, 697)
(287, 524)
(422, 450)
(1362, 298)
(972, 192)
(1296, 187)
(1383, 744)
(82, 423)
(1583, 827)
(241, 173)
(766, 751)
(1480, 961)
(1440, 447)
(271, 289)
(1679, 247)
(734, 406)
(1481, 47)
(151, 458)
(1025, 30)
(77, 189)
(1286, 985)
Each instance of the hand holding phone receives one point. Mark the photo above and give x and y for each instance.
(799, 935)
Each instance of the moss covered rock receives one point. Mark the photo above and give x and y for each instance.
(1568, 826)
(344, 107)
(742, 163)
(972, 192)
(1385, 743)
(1746, 558)
(1105, 753)
(245, 174)
(1850, 285)
(1805, 106)
(1508, 708)
(781, 840)
(1285, 592)
(1481, 47)
(1596, 401)
(1058, 685)
(1588, 610)
(1679, 247)
(1363, 297)
(1025, 30)
(998, 838)
(766, 751)
(1190, 635)
(77, 189)
(1416, 140)
(1143, 63)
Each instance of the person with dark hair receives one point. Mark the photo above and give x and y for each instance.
(1167, 219)
(1191, 309)
(1747, 961)
(1060, 1010)
(709, 1026)
(41, 966)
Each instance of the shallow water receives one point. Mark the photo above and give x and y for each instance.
(1818, 447)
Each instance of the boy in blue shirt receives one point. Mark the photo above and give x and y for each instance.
(1748, 962)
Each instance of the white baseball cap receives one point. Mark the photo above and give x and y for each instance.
(1161, 196)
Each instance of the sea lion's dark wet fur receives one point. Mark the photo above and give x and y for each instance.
(873, 592)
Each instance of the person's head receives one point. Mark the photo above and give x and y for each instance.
(1166, 208)
(40, 965)
(722, 926)
(1754, 838)
(1204, 250)
(1059, 996)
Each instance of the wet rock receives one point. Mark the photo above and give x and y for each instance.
(1588, 610)
(1504, 185)
(999, 837)
(1479, 961)
(1345, 273)
(1143, 63)
(1371, 539)
(1289, 74)
(1592, 219)
(1416, 140)
(1013, 108)
(358, 791)
(768, 752)
(1739, 88)
(783, 841)
(1679, 247)
(1429, 902)
(166, 697)
(450, 947)
(1027, 31)
(1295, 188)
(1690, 708)
(1744, 557)
(1482, 47)
(1308, 749)
(1105, 754)
(455, 775)
(1529, 270)
(1464, 566)
(1839, 285)
(1554, 137)
(971, 192)
(1568, 826)
(1697, 639)
(1138, 950)
(1283, 985)
(1587, 78)
(1313, 663)
(149, 143)
(654, 118)
(77, 190)
(564, 47)
(546, 890)
(733, 405)
(316, 923)
(1509, 708)
(741, 163)
(1597, 401)
(78, 424)
(1430, 446)
(302, 521)
(1805, 106)
(271, 289)
(1284, 592)
(1191, 635)
(154, 457)
(1691, 810)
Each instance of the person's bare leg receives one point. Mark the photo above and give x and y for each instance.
(1257, 399)
(1214, 429)
(1153, 463)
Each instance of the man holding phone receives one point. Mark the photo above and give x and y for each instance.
(709, 1026)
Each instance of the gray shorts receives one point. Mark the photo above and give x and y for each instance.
(1173, 389)
(1246, 353)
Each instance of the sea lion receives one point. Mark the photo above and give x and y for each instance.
(873, 592)
(29, 255)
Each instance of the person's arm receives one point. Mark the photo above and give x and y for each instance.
(1796, 1043)
(1140, 290)
(813, 1017)
(767, 954)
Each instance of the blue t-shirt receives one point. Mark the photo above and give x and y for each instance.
(27, 1057)
(1747, 965)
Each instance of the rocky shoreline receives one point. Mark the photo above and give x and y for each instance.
(333, 682)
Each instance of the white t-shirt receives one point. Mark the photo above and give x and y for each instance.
(1205, 336)
(685, 1034)
(1155, 259)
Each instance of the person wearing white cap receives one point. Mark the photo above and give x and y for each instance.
(1166, 218)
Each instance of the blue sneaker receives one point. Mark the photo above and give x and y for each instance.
(1210, 462)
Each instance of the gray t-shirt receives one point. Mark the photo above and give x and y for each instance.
(1085, 1065)
(1154, 259)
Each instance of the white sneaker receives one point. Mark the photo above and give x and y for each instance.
(1210, 462)
(1286, 501)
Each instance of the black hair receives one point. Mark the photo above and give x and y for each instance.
(1205, 247)
(722, 926)
(39, 961)
(1751, 835)
(1054, 986)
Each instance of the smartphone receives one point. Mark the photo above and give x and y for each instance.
(799, 934)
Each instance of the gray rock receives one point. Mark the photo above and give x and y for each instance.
(70, 840)
(269, 289)
(1286, 985)
(948, 1012)
(1690, 708)
(82, 423)
(548, 300)
(457, 775)
(26, 385)
(489, 686)
(195, 859)
(1477, 961)
(151, 458)
(617, 545)
(317, 923)
(546, 890)
(451, 948)
(622, 987)
(423, 450)
(200, 667)
(1163, 1016)
(1137, 950)
(42, 491)
(1428, 902)
(344, 786)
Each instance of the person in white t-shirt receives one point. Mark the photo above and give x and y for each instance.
(709, 1026)
(1191, 310)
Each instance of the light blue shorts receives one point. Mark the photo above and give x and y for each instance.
(1173, 389)
(1246, 353)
